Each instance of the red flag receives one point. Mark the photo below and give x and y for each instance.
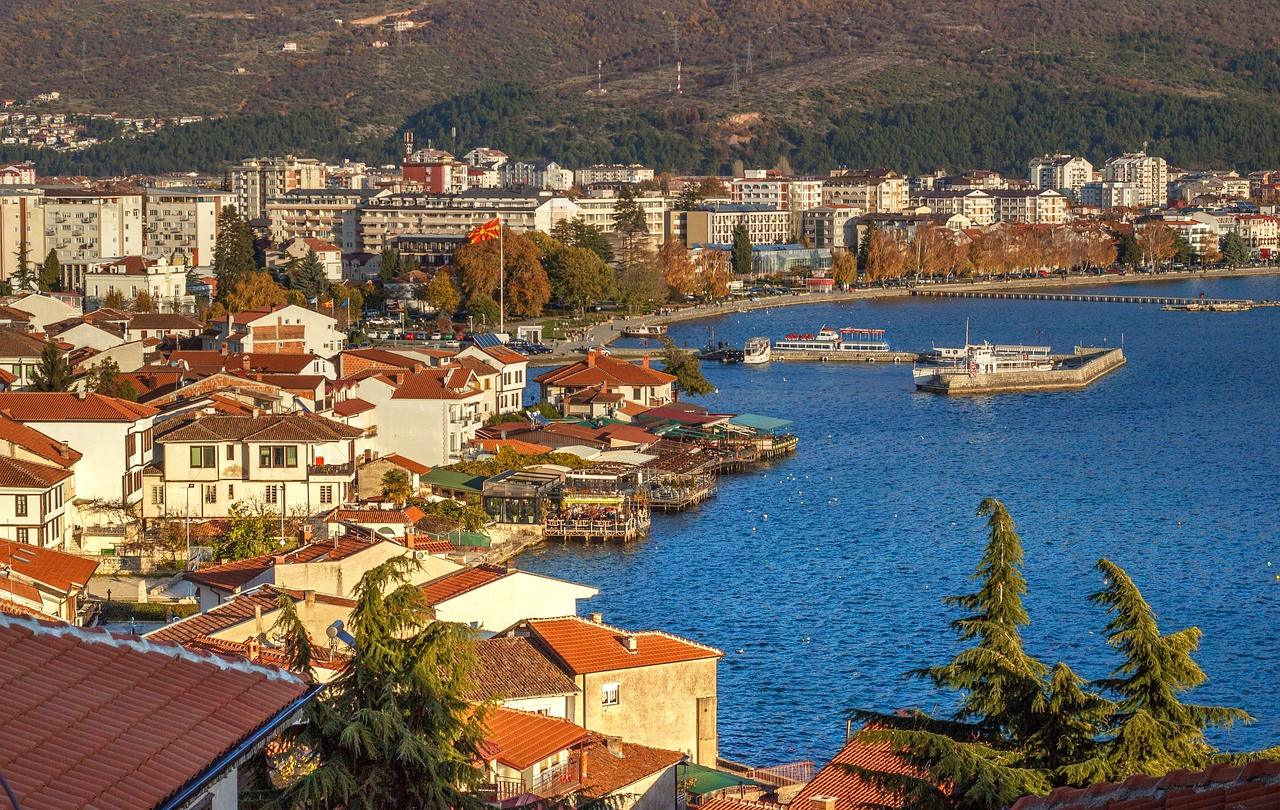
(485, 231)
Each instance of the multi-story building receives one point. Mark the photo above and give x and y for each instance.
(714, 225)
(612, 173)
(288, 329)
(1034, 207)
(1065, 174)
(486, 157)
(599, 206)
(256, 180)
(37, 486)
(1111, 194)
(328, 253)
(21, 228)
(24, 174)
(1259, 231)
(975, 204)
(85, 225)
(878, 191)
(793, 194)
(292, 464)
(431, 416)
(319, 213)
(381, 218)
(507, 393)
(164, 282)
(831, 226)
(1149, 174)
(638, 383)
(1211, 184)
(183, 221)
(978, 179)
(547, 175)
(445, 175)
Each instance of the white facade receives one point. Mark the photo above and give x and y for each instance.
(612, 173)
(90, 226)
(184, 221)
(511, 598)
(1066, 174)
(165, 283)
(21, 228)
(430, 428)
(1149, 174)
(406, 214)
(254, 181)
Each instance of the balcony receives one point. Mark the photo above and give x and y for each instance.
(465, 419)
(331, 470)
(555, 781)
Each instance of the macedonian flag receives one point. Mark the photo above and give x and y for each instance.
(485, 231)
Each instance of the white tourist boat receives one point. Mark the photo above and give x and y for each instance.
(757, 351)
(652, 330)
(833, 341)
(979, 359)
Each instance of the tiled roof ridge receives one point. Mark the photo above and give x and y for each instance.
(1104, 794)
(141, 645)
(624, 633)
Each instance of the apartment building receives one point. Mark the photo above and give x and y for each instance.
(599, 206)
(295, 464)
(1065, 174)
(381, 218)
(20, 174)
(1031, 206)
(831, 226)
(319, 213)
(547, 175)
(714, 225)
(1111, 194)
(164, 282)
(976, 205)
(256, 180)
(1259, 231)
(431, 416)
(759, 187)
(84, 225)
(446, 175)
(877, 191)
(612, 173)
(183, 221)
(21, 228)
(1149, 174)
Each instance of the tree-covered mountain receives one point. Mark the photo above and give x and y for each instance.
(908, 83)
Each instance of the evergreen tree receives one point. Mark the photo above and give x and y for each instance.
(690, 198)
(142, 302)
(483, 309)
(394, 728)
(396, 486)
(629, 222)
(309, 279)
(233, 252)
(53, 373)
(741, 251)
(25, 278)
(577, 233)
(105, 379)
(1182, 251)
(1128, 251)
(51, 272)
(1234, 251)
(864, 249)
(389, 265)
(1154, 732)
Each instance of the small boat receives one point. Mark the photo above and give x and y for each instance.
(976, 360)
(720, 353)
(650, 331)
(833, 341)
(757, 351)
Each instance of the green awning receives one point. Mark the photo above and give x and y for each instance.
(470, 540)
(452, 479)
(706, 780)
(760, 424)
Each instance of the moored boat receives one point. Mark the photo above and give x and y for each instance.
(652, 330)
(833, 341)
(757, 351)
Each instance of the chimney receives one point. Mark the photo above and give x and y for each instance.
(244, 362)
(64, 449)
(821, 803)
(597, 618)
(614, 744)
(645, 362)
(257, 618)
(632, 643)
(591, 358)
(222, 350)
(82, 395)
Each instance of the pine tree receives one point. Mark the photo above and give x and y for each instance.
(1155, 732)
(686, 368)
(1234, 251)
(864, 249)
(233, 252)
(741, 250)
(629, 222)
(51, 272)
(690, 198)
(1128, 251)
(309, 278)
(389, 265)
(394, 728)
(53, 373)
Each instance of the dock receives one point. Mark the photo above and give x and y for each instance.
(1089, 298)
(1074, 371)
(823, 356)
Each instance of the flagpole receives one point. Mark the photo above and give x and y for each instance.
(502, 282)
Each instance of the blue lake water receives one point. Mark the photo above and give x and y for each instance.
(821, 576)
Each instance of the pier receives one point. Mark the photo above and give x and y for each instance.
(1088, 298)
(1073, 372)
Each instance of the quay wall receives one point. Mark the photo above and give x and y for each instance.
(1100, 362)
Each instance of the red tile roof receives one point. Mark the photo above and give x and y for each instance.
(407, 463)
(850, 791)
(49, 406)
(522, 447)
(511, 668)
(57, 569)
(609, 772)
(401, 516)
(504, 355)
(38, 443)
(584, 646)
(22, 474)
(604, 369)
(352, 406)
(1254, 786)
(443, 382)
(519, 739)
(444, 588)
(155, 719)
(291, 427)
(241, 608)
(232, 575)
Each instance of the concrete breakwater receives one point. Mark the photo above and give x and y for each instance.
(825, 356)
(1071, 372)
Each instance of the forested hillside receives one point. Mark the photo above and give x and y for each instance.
(908, 83)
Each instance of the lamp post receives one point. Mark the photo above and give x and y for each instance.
(187, 522)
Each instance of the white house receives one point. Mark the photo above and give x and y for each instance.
(330, 255)
(44, 309)
(431, 415)
(131, 276)
(493, 598)
(37, 486)
(293, 464)
(42, 581)
(287, 329)
(507, 394)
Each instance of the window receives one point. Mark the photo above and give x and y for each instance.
(211, 493)
(280, 455)
(326, 493)
(20, 505)
(24, 535)
(157, 494)
(231, 492)
(203, 457)
(231, 452)
(273, 494)
(635, 394)
(610, 694)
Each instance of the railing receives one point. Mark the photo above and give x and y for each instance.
(554, 781)
(347, 468)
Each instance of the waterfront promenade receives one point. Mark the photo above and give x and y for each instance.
(604, 333)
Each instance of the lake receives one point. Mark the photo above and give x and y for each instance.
(821, 576)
